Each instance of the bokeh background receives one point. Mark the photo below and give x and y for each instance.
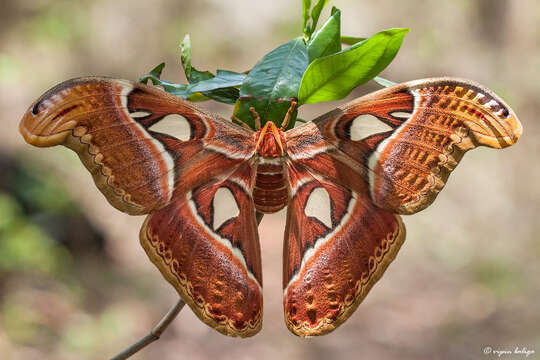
(75, 283)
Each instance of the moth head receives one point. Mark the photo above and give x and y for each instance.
(270, 141)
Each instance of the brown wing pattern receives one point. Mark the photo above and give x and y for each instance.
(214, 263)
(429, 123)
(109, 124)
(335, 251)
(388, 152)
(196, 184)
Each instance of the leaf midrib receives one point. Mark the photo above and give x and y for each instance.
(274, 88)
(341, 72)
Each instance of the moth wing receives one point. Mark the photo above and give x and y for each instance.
(151, 152)
(385, 153)
(337, 246)
(405, 140)
(206, 245)
(121, 132)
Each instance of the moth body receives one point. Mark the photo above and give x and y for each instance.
(270, 193)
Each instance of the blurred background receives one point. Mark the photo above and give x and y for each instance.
(75, 283)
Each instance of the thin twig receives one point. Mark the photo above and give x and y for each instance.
(154, 334)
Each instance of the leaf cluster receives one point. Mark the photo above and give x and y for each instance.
(311, 68)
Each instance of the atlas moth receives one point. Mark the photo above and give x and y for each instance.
(344, 177)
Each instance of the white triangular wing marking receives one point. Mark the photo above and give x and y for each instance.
(225, 207)
(366, 125)
(318, 206)
(173, 125)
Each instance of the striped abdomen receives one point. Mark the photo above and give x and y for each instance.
(270, 193)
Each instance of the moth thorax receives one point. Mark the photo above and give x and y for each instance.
(272, 143)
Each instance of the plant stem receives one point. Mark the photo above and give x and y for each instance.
(154, 334)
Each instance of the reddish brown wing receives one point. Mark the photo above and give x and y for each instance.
(388, 152)
(404, 140)
(151, 152)
(114, 126)
(337, 245)
(199, 244)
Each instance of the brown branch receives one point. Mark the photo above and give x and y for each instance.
(156, 332)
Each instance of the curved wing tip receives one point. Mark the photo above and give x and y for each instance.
(39, 140)
(517, 128)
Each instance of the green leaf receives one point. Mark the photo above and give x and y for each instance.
(316, 13)
(158, 70)
(306, 5)
(179, 90)
(384, 82)
(185, 55)
(223, 79)
(225, 95)
(192, 74)
(351, 40)
(326, 40)
(220, 88)
(198, 97)
(273, 83)
(155, 73)
(307, 26)
(334, 76)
